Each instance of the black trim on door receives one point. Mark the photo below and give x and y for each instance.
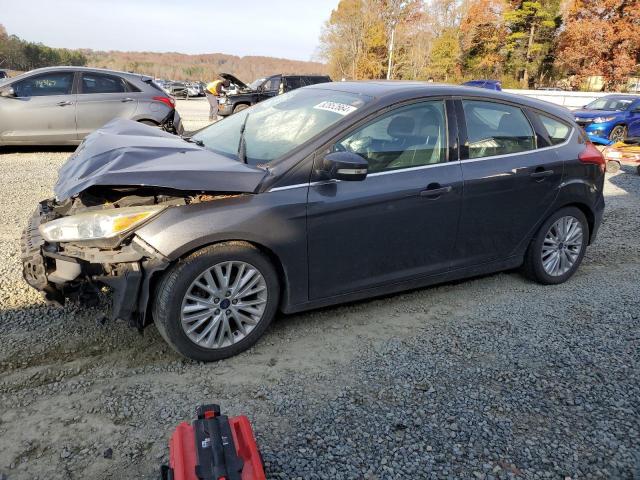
(453, 152)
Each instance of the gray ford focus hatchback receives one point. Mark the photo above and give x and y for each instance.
(326, 194)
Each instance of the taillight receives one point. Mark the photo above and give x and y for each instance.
(591, 154)
(168, 101)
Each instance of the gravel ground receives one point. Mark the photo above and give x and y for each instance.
(490, 378)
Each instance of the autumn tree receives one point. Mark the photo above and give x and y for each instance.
(531, 25)
(601, 37)
(482, 38)
(445, 59)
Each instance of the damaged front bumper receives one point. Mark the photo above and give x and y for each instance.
(79, 272)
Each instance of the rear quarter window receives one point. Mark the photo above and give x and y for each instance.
(558, 131)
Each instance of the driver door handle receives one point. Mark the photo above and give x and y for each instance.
(64, 103)
(127, 100)
(435, 190)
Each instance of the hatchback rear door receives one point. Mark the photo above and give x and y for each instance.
(511, 178)
(43, 110)
(101, 98)
(400, 223)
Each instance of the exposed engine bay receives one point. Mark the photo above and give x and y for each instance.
(82, 270)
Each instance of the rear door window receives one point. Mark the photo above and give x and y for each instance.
(55, 83)
(99, 83)
(496, 129)
(558, 131)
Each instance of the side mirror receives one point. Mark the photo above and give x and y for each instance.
(346, 166)
(8, 92)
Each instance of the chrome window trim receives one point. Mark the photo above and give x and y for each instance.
(524, 152)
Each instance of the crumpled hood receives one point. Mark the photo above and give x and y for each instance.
(588, 114)
(127, 153)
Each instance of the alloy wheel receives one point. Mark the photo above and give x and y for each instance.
(224, 304)
(562, 246)
(618, 134)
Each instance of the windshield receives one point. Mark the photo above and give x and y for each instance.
(276, 126)
(605, 103)
(256, 83)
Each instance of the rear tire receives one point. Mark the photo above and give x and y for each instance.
(549, 243)
(232, 328)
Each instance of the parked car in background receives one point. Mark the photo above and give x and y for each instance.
(195, 89)
(323, 195)
(261, 89)
(488, 84)
(3, 74)
(611, 118)
(62, 105)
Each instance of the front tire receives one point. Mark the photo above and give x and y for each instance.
(240, 107)
(217, 302)
(557, 249)
(618, 133)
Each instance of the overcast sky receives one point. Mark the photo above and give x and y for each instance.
(276, 28)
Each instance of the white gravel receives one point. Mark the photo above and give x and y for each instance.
(495, 377)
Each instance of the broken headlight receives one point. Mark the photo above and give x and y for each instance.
(97, 225)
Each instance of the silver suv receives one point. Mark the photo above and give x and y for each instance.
(62, 105)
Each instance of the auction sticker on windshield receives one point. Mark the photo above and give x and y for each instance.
(339, 108)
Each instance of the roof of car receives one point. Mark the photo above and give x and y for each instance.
(84, 69)
(381, 89)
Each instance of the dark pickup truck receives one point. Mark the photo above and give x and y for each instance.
(243, 95)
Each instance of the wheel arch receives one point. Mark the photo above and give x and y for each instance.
(265, 250)
(586, 210)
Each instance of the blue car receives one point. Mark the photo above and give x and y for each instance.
(611, 118)
(490, 84)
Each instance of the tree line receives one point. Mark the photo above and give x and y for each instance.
(18, 54)
(21, 55)
(523, 43)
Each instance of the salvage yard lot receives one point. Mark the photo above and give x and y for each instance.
(496, 377)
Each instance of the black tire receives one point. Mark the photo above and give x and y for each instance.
(240, 107)
(533, 267)
(175, 283)
(613, 166)
(638, 170)
(618, 133)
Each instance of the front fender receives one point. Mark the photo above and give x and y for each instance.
(275, 221)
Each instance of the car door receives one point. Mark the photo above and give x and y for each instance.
(397, 224)
(511, 178)
(633, 120)
(101, 98)
(42, 110)
(270, 88)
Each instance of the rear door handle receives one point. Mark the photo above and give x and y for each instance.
(539, 173)
(65, 103)
(435, 191)
(127, 100)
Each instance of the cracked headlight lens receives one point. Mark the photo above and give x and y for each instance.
(99, 224)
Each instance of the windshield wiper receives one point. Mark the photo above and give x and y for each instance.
(242, 145)
(200, 143)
